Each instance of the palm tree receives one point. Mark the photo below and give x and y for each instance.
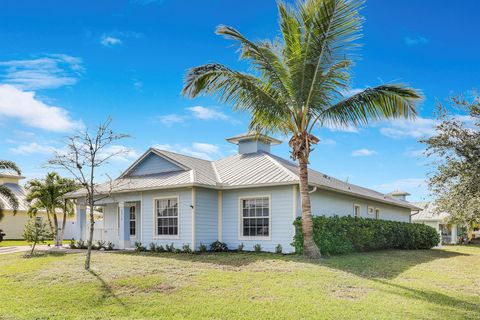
(300, 81)
(5, 192)
(48, 195)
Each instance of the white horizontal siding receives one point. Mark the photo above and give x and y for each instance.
(329, 203)
(205, 217)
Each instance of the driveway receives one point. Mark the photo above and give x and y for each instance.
(14, 249)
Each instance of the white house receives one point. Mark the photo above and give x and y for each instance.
(13, 225)
(251, 197)
(439, 221)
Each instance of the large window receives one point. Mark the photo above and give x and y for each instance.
(255, 217)
(166, 217)
(133, 221)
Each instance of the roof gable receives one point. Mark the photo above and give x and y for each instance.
(152, 163)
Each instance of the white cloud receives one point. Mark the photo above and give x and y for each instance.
(120, 153)
(170, 119)
(413, 41)
(24, 106)
(203, 113)
(417, 153)
(363, 153)
(110, 41)
(33, 148)
(48, 72)
(197, 149)
(347, 129)
(418, 187)
(403, 128)
(327, 141)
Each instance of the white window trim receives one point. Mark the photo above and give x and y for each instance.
(240, 221)
(165, 237)
(136, 222)
(356, 205)
(368, 210)
(375, 213)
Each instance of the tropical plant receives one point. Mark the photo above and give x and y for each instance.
(36, 231)
(5, 192)
(301, 81)
(49, 195)
(455, 149)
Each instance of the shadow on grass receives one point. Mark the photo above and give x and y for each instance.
(462, 307)
(386, 264)
(107, 290)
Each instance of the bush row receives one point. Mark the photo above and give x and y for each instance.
(216, 246)
(97, 245)
(339, 235)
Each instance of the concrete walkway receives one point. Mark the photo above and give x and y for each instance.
(15, 249)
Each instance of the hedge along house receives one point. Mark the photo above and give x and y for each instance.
(251, 197)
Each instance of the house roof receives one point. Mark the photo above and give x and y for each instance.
(428, 212)
(10, 174)
(237, 171)
(253, 136)
(19, 192)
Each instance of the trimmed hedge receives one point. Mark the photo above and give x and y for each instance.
(339, 235)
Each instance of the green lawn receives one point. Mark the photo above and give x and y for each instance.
(435, 284)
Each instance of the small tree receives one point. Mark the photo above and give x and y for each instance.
(86, 153)
(36, 231)
(48, 195)
(456, 148)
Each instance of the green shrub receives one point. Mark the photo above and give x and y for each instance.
(109, 246)
(72, 244)
(186, 248)
(139, 247)
(159, 248)
(257, 247)
(202, 248)
(152, 247)
(170, 248)
(278, 248)
(240, 247)
(339, 235)
(218, 246)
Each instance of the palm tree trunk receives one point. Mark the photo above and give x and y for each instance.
(310, 249)
(55, 224)
(90, 239)
(64, 222)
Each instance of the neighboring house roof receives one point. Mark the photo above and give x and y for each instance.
(428, 212)
(20, 193)
(10, 174)
(237, 171)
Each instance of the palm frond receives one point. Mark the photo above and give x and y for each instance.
(9, 165)
(242, 91)
(385, 101)
(10, 197)
(264, 59)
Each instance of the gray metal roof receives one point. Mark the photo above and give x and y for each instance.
(428, 212)
(253, 135)
(237, 171)
(19, 192)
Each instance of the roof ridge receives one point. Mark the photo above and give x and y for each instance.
(287, 171)
(181, 154)
(215, 171)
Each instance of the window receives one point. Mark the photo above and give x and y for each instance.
(371, 210)
(356, 210)
(377, 213)
(255, 217)
(166, 216)
(133, 221)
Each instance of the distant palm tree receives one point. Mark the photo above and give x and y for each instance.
(7, 194)
(49, 195)
(301, 80)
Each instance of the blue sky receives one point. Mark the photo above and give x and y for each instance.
(67, 65)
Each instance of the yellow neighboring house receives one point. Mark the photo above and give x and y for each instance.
(12, 225)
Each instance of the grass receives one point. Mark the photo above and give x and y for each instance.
(11, 243)
(434, 284)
